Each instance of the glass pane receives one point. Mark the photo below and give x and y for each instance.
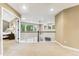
(22, 27)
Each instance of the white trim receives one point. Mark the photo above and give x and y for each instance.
(74, 49)
(10, 12)
(1, 31)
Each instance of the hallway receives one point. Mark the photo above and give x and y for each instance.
(36, 49)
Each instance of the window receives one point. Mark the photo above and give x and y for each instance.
(26, 27)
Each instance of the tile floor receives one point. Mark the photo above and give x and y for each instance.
(11, 48)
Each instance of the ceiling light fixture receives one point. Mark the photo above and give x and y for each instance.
(24, 7)
(23, 18)
(51, 9)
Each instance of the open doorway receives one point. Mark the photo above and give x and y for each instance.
(10, 29)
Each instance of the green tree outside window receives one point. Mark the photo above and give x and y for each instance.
(29, 27)
(23, 27)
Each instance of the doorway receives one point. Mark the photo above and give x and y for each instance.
(10, 29)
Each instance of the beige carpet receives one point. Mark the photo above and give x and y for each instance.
(36, 49)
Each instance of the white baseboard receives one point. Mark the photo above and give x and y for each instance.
(74, 49)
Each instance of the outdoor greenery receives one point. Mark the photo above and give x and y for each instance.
(22, 27)
(27, 27)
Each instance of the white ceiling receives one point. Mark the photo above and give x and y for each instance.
(7, 16)
(40, 10)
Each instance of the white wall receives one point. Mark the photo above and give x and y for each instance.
(32, 37)
(29, 37)
(35, 19)
(5, 25)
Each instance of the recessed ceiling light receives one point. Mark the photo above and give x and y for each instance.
(23, 18)
(51, 9)
(24, 7)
